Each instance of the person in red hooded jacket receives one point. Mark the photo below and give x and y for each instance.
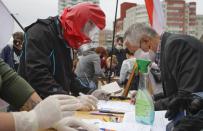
(46, 61)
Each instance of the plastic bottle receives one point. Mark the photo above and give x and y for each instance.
(144, 108)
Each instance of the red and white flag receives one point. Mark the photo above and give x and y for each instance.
(156, 15)
(6, 25)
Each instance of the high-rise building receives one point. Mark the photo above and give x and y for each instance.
(68, 3)
(180, 17)
(119, 22)
(124, 7)
(199, 26)
(192, 19)
(137, 14)
(105, 38)
(175, 14)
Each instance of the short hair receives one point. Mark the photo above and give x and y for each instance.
(119, 39)
(136, 31)
(128, 52)
(102, 51)
(18, 35)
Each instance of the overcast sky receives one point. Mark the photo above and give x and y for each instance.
(27, 11)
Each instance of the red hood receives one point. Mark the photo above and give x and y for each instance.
(74, 18)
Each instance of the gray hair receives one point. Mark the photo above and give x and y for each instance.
(136, 31)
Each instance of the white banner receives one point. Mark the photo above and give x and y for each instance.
(6, 25)
(156, 15)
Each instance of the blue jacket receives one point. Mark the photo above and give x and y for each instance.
(7, 55)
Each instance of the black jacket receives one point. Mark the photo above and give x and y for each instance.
(181, 67)
(46, 61)
(121, 56)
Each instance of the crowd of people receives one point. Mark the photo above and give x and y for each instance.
(58, 65)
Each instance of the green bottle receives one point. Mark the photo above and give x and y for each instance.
(144, 108)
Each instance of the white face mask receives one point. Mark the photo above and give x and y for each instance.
(92, 31)
(140, 54)
(119, 47)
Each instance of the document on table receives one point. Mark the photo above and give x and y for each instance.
(118, 126)
(111, 87)
(115, 106)
(160, 121)
(129, 123)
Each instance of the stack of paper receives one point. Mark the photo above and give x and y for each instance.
(115, 106)
(112, 88)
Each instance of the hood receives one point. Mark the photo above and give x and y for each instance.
(74, 18)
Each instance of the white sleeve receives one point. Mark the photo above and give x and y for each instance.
(123, 72)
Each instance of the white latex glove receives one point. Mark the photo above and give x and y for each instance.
(72, 124)
(101, 94)
(87, 102)
(46, 113)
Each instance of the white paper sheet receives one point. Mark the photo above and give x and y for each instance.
(116, 106)
(129, 123)
(111, 87)
(119, 126)
(160, 121)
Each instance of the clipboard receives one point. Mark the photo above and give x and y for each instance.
(129, 83)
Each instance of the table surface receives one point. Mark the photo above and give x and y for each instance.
(87, 115)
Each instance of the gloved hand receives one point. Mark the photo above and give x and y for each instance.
(176, 105)
(72, 124)
(190, 123)
(87, 102)
(191, 103)
(46, 113)
(196, 104)
(101, 94)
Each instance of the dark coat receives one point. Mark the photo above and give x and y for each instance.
(181, 67)
(46, 61)
(121, 56)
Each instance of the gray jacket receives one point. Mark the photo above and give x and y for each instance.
(89, 67)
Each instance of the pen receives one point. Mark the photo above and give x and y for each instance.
(105, 120)
(100, 129)
(104, 129)
(104, 114)
(108, 111)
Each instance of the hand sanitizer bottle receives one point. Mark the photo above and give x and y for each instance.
(144, 107)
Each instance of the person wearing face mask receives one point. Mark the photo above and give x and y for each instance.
(88, 69)
(145, 52)
(181, 73)
(46, 61)
(126, 69)
(11, 53)
(119, 52)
